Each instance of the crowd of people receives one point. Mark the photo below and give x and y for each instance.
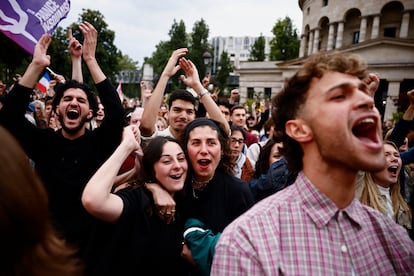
(198, 184)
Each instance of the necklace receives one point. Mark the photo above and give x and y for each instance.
(198, 186)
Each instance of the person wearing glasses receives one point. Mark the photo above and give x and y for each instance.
(243, 168)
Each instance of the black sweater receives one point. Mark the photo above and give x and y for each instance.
(64, 165)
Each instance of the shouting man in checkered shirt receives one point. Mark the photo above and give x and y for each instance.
(330, 129)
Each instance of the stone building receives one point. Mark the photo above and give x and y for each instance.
(381, 31)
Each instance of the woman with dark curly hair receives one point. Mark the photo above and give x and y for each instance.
(214, 197)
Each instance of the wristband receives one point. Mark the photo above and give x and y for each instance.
(204, 92)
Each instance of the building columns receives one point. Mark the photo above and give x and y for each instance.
(375, 27)
(310, 43)
(316, 40)
(331, 37)
(405, 22)
(339, 35)
(363, 29)
(302, 46)
(392, 94)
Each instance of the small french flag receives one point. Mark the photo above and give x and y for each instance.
(43, 84)
(119, 90)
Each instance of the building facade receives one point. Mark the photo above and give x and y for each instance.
(238, 49)
(381, 31)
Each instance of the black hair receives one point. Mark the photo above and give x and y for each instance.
(224, 103)
(181, 95)
(60, 89)
(226, 163)
(262, 164)
(152, 153)
(234, 128)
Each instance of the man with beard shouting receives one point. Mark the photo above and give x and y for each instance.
(67, 158)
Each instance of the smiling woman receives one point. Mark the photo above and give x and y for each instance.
(133, 234)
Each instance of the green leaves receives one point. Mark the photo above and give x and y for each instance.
(257, 51)
(285, 44)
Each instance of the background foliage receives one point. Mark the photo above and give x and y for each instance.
(13, 59)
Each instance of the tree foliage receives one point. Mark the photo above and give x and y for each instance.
(107, 53)
(196, 41)
(199, 45)
(285, 44)
(59, 56)
(257, 50)
(127, 63)
(163, 50)
(178, 39)
(225, 68)
(13, 59)
(178, 35)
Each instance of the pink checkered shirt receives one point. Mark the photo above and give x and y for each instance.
(300, 231)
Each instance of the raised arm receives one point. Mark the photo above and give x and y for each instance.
(409, 112)
(193, 80)
(372, 80)
(149, 117)
(402, 127)
(89, 49)
(39, 62)
(146, 92)
(75, 52)
(97, 197)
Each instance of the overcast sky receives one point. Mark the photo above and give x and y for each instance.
(139, 25)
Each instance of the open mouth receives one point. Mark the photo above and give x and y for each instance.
(176, 177)
(72, 114)
(204, 162)
(393, 169)
(366, 129)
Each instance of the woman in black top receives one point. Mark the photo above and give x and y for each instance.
(134, 236)
(214, 197)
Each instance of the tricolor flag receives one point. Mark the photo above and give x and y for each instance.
(25, 21)
(43, 84)
(119, 90)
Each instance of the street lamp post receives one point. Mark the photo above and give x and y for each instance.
(207, 61)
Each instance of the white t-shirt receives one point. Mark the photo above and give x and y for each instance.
(146, 139)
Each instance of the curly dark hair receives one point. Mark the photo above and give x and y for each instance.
(62, 87)
(226, 162)
(287, 103)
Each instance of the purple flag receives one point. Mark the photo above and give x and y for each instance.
(25, 21)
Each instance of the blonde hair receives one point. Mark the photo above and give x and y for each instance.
(370, 194)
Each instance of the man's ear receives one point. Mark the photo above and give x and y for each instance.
(90, 114)
(57, 110)
(299, 130)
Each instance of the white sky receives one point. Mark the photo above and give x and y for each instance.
(139, 25)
